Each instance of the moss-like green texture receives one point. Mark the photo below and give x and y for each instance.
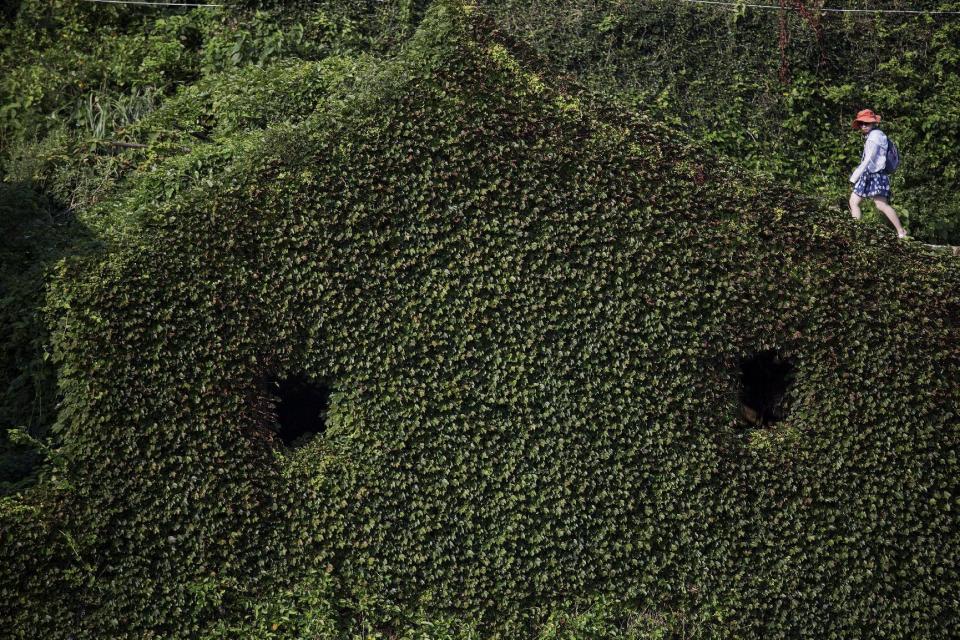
(532, 307)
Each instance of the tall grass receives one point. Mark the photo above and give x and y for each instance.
(104, 114)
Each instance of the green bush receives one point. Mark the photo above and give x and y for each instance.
(36, 233)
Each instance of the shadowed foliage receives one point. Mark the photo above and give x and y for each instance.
(529, 307)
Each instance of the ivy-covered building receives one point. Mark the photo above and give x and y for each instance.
(434, 345)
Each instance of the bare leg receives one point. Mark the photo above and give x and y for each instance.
(884, 206)
(855, 206)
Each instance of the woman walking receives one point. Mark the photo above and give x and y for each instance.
(869, 179)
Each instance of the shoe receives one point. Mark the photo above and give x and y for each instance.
(902, 236)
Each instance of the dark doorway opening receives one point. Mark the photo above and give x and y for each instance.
(301, 407)
(764, 380)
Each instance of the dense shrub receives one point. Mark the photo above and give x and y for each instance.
(534, 306)
(90, 94)
(36, 232)
(62, 57)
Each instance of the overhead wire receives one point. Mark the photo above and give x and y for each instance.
(706, 2)
(824, 9)
(155, 4)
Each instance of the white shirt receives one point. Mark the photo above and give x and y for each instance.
(874, 159)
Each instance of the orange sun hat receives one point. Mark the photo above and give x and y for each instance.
(866, 115)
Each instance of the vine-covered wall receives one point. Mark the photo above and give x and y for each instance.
(777, 90)
(532, 309)
(84, 92)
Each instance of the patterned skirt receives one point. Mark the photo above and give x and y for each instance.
(873, 184)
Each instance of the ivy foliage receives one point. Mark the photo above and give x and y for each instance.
(91, 94)
(36, 233)
(531, 304)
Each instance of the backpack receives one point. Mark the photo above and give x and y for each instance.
(893, 157)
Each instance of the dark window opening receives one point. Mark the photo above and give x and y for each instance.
(764, 379)
(301, 407)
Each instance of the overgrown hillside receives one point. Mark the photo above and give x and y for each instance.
(425, 343)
